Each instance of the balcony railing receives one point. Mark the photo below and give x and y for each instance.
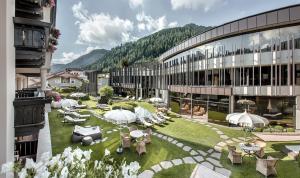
(32, 9)
(29, 112)
(26, 147)
(30, 39)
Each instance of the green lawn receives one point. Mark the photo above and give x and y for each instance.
(157, 151)
(193, 134)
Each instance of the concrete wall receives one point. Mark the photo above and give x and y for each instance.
(7, 78)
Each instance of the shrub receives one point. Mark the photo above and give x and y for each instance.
(258, 129)
(278, 128)
(85, 98)
(123, 106)
(67, 90)
(79, 102)
(106, 91)
(290, 130)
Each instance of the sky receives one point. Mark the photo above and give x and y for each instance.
(86, 25)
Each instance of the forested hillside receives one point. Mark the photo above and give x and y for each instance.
(147, 48)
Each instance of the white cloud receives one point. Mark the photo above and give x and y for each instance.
(68, 57)
(101, 29)
(135, 3)
(146, 22)
(206, 5)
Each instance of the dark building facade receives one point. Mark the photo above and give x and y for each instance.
(256, 57)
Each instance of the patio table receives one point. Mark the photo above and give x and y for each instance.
(136, 134)
(249, 149)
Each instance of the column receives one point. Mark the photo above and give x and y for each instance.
(231, 104)
(43, 78)
(297, 119)
(19, 83)
(8, 82)
(25, 82)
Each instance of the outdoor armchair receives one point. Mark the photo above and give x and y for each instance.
(234, 156)
(141, 147)
(126, 142)
(266, 166)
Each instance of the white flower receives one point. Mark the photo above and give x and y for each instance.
(67, 152)
(106, 152)
(78, 153)
(42, 173)
(64, 173)
(22, 173)
(7, 167)
(30, 164)
(87, 154)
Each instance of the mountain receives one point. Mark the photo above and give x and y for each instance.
(82, 61)
(147, 48)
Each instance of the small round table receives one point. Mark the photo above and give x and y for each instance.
(249, 149)
(136, 134)
(87, 140)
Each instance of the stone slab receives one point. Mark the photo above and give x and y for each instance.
(146, 174)
(199, 158)
(193, 152)
(223, 171)
(189, 160)
(201, 171)
(214, 162)
(177, 161)
(179, 144)
(174, 141)
(224, 137)
(156, 168)
(187, 148)
(220, 132)
(208, 165)
(166, 164)
(170, 139)
(216, 155)
(221, 144)
(210, 151)
(218, 148)
(203, 153)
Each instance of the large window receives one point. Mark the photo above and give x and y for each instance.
(266, 75)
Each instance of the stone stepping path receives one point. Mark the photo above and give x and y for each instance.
(209, 159)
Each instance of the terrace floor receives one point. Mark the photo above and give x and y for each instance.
(176, 148)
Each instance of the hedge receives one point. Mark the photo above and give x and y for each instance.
(125, 106)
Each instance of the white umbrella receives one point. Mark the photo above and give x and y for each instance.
(68, 103)
(156, 100)
(142, 112)
(120, 116)
(247, 119)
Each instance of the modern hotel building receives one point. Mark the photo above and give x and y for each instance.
(255, 58)
(27, 40)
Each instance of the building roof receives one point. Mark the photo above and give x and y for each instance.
(64, 75)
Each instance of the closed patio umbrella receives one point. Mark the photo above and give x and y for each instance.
(246, 119)
(269, 107)
(120, 116)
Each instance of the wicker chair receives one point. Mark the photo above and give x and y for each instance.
(141, 147)
(262, 146)
(266, 166)
(201, 112)
(148, 131)
(126, 142)
(234, 156)
(147, 138)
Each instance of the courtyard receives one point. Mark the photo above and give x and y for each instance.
(176, 147)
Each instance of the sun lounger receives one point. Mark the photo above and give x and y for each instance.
(164, 116)
(80, 132)
(67, 109)
(68, 119)
(60, 112)
(77, 115)
(80, 106)
(103, 106)
(144, 122)
(158, 118)
(127, 98)
(272, 115)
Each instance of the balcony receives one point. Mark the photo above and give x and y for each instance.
(29, 112)
(30, 42)
(32, 9)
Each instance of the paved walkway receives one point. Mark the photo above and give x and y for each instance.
(201, 171)
(44, 143)
(281, 137)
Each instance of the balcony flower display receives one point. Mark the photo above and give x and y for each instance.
(50, 3)
(73, 163)
(51, 48)
(55, 33)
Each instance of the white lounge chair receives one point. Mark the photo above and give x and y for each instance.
(158, 118)
(77, 115)
(67, 109)
(68, 119)
(145, 123)
(140, 99)
(133, 98)
(80, 106)
(127, 97)
(164, 116)
(60, 112)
